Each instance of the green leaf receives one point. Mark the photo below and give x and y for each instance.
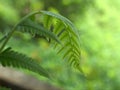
(63, 31)
(17, 60)
(70, 34)
(34, 28)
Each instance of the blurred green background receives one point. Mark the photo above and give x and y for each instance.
(98, 24)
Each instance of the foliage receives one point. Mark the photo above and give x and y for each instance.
(11, 58)
(98, 22)
(27, 24)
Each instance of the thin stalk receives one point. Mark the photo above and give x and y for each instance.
(14, 28)
(2, 39)
(7, 38)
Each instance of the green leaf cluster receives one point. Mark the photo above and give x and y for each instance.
(53, 27)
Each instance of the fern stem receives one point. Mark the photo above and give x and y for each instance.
(2, 39)
(14, 28)
(7, 39)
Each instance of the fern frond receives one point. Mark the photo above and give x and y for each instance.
(17, 60)
(63, 31)
(69, 38)
(34, 28)
(62, 19)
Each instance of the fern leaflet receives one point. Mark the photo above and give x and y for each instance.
(11, 58)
